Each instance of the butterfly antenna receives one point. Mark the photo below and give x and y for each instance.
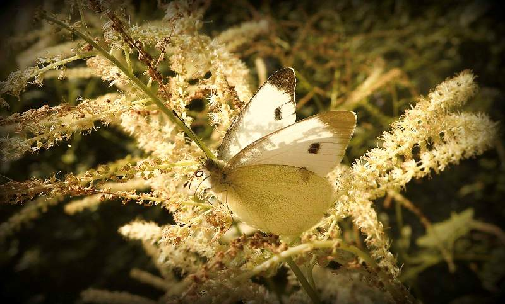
(187, 184)
(226, 201)
(196, 190)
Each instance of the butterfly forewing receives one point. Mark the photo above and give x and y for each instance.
(270, 109)
(317, 143)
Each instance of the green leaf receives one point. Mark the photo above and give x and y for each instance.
(448, 231)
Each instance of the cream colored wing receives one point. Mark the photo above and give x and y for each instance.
(317, 143)
(270, 109)
(279, 199)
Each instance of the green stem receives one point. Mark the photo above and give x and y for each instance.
(301, 278)
(172, 115)
(310, 277)
(306, 247)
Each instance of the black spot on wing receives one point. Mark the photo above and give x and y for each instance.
(278, 113)
(314, 148)
(284, 80)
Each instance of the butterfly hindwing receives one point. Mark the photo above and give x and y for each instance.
(317, 143)
(270, 109)
(278, 199)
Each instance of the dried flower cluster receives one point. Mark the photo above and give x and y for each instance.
(205, 255)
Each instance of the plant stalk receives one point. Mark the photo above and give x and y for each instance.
(172, 115)
(301, 278)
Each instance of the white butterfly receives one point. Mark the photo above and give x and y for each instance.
(272, 171)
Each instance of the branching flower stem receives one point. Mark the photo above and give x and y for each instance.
(172, 115)
(330, 244)
(303, 281)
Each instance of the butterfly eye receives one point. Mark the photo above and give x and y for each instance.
(314, 148)
(199, 173)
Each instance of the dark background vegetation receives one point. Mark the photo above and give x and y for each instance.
(68, 254)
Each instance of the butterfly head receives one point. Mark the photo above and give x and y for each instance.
(217, 171)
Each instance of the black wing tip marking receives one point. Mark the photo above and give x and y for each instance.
(284, 79)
